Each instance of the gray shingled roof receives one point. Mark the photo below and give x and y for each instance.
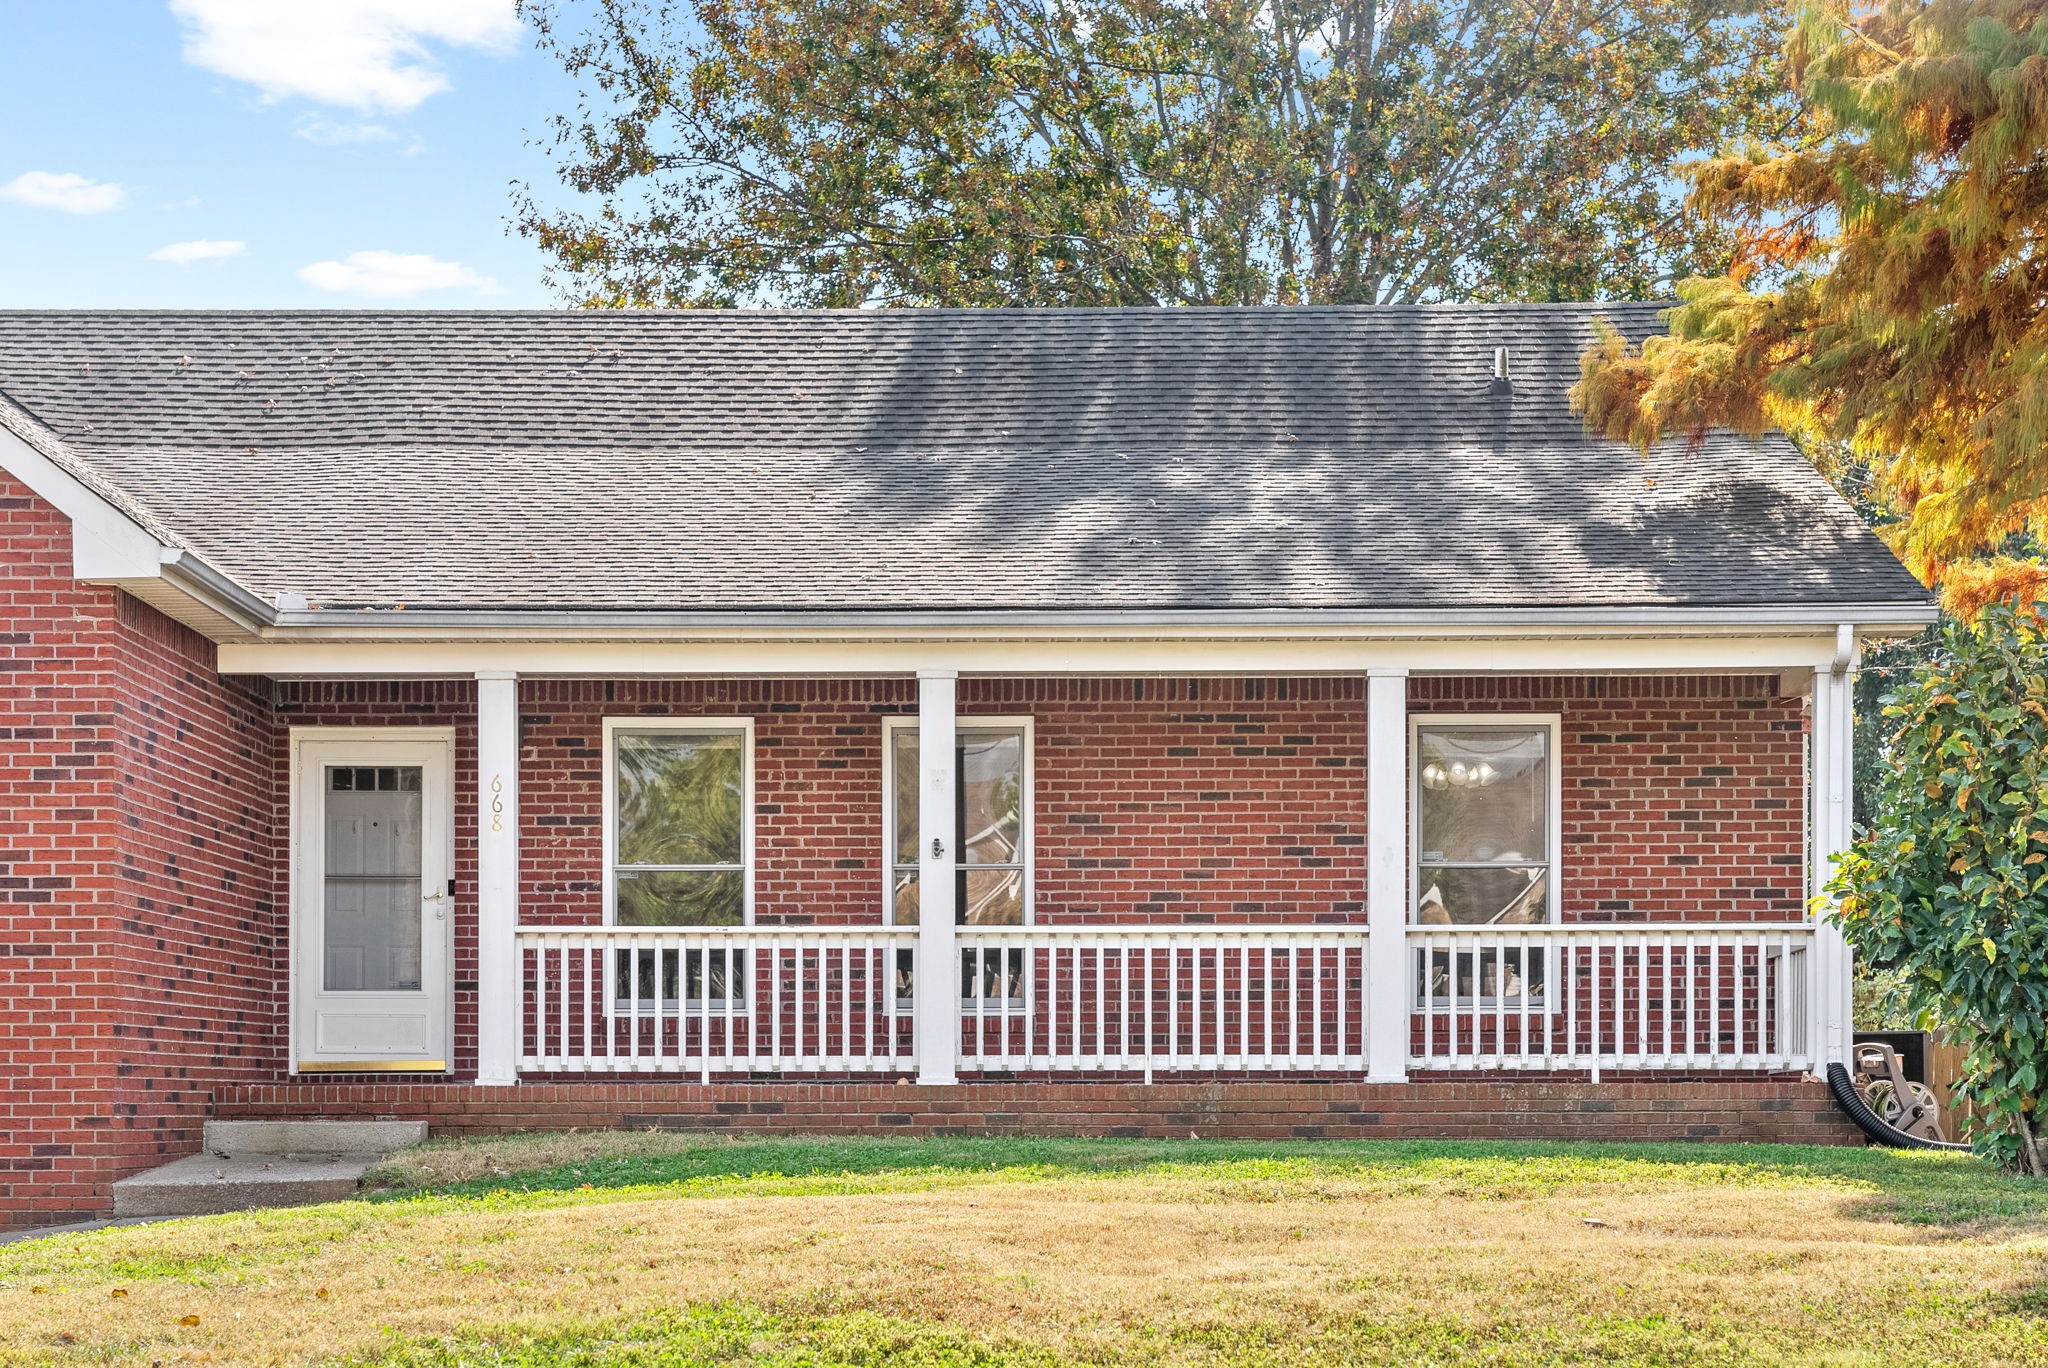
(934, 459)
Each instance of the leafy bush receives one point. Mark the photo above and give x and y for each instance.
(1949, 884)
(1879, 1000)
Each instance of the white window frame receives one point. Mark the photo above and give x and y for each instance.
(966, 722)
(660, 725)
(1553, 724)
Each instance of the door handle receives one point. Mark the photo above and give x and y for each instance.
(440, 902)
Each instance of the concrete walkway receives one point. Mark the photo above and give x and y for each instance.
(8, 1237)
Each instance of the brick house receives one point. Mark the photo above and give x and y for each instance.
(1273, 722)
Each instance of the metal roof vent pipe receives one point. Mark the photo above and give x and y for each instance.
(1502, 381)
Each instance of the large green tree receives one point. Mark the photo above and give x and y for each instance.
(993, 152)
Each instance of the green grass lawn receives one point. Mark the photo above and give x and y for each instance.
(618, 1249)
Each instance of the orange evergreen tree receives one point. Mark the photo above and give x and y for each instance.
(1888, 286)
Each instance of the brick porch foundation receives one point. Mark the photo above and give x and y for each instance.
(1774, 1110)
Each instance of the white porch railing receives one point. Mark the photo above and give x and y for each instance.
(716, 1000)
(1162, 998)
(1148, 1000)
(1576, 997)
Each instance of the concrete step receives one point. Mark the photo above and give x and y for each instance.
(265, 1164)
(373, 1138)
(206, 1183)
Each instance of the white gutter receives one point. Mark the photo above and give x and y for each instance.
(200, 581)
(1874, 619)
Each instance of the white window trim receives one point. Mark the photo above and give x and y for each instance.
(964, 723)
(684, 726)
(1553, 723)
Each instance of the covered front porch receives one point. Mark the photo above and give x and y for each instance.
(1257, 867)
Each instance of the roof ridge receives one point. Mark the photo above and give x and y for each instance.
(736, 450)
(1560, 307)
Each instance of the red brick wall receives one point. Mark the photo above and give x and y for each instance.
(135, 878)
(1194, 799)
(1768, 1110)
(59, 799)
(1684, 798)
(202, 1000)
(1222, 799)
(817, 788)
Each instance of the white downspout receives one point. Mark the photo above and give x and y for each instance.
(1832, 1012)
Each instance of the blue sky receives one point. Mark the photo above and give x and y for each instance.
(269, 153)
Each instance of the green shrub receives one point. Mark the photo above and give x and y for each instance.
(1949, 884)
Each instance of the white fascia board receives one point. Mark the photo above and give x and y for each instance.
(109, 546)
(106, 543)
(1559, 654)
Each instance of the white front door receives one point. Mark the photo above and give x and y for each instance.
(371, 902)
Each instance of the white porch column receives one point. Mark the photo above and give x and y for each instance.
(1830, 1024)
(1389, 988)
(497, 884)
(937, 997)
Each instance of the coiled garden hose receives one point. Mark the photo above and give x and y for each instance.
(1869, 1122)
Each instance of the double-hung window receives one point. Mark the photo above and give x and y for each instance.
(1486, 829)
(678, 847)
(991, 844)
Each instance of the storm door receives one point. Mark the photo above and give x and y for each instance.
(371, 905)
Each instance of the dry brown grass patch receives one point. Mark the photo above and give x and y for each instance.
(1095, 1267)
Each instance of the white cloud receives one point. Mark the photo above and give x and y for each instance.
(366, 55)
(328, 133)
(65, 191)
(200, 249)
(395, 275)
